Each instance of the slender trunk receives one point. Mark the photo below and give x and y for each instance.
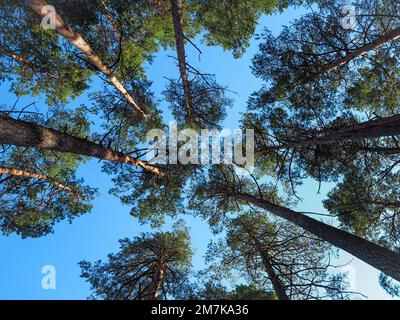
(383, 127)
(25, 173)
(23, 60)
(111, 18)
(27, 134)
(276, 282)
(273, 277)
(180, 48)
(76, 39)
(158, 280)
(379, 257)
(388, 37)
(18, 57)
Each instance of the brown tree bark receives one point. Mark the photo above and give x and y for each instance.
(76, 39)
(377, 256)
(27, 134)
(388, 37)
(24, 173)
(273, 277)
(159, 277)
(18, 57)
(279, 288)
(177, 17)
(111, 18)
(383, 127)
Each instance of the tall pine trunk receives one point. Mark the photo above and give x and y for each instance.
(273, 277)
(76, 39)
(27, 134)
(177, 17)
(388, 37)
(158, 280)
(377, 128)
(379, 257)
(383, 127)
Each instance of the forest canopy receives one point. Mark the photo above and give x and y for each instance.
(326, 113)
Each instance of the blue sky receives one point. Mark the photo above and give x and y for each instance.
(94, 235)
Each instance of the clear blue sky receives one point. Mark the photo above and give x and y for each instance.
(94, 235)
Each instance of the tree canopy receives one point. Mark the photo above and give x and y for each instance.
(327, 112)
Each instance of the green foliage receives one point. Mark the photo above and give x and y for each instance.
(251, 292)
(31, 207)
(231, 24)
(214, 290)
(298, 101)
(214, 196)
(208, 103)
(367, 206)
(131, 273)
(299, 260)
(52, 68)
(390, 286)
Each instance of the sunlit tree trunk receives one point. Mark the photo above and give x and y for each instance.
(158, 278)
(25, 173)
(111, 18)
(24, 61)
(76, 39)
(27, 134)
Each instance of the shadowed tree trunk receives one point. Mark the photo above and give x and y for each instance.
(273, 277)
(158, 283)
(177, 16)
(25, 173)
(383, 127)
(388, 37)
(76, 39)
(111, 18)
(379, 257)
(27, 134)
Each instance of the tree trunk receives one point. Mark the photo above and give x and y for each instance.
(276, 282)
(379, 257)
(25, 173)
(273, 277)
(383, 127)
(388, 37)
(18, 57)
(158, 281)
(177, 16)
(76, 39)
(111, 19)
(27, 134)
